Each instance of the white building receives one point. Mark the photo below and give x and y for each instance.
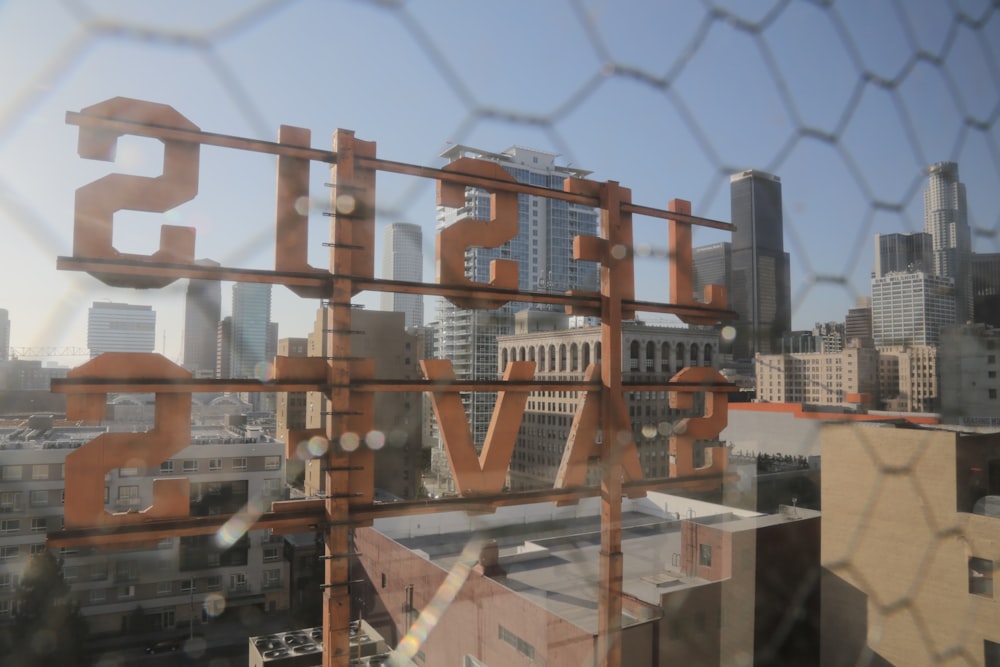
(120, 327)
(946, 220)
(403, 259)
(909, 308)
(543, 250)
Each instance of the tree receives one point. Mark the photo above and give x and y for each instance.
(48, 628)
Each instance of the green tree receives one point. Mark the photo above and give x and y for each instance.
(48, 628)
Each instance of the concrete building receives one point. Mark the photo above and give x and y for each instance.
(403, 259)
(224, 347)
(946, 220)
(177, 582)
(909, 547)
(703, 584)
(908, 378)
(4, 334)
(760, 289)
(910, 308)
(823, 337)
(291, 408)
(899, 253)
(397, 439)
(846, 378)
(543, 250)
(202, 312)
(858, 322)
(712, 265)
(120, 327)
(649, 354)
(986, 288)
(968, 368)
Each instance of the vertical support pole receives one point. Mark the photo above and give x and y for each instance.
(609, 624)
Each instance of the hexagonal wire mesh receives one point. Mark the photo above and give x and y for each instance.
(847, 102)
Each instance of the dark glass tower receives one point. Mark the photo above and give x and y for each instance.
(760, 290)
(202, 310)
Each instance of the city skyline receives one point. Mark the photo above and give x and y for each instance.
(900, 92)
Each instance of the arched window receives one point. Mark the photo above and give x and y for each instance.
(503, 360)
(650, 357)
(562, 358)
(520, 354)
(597, 353)
(633, 356)
(586, 355)
(665, 358)
(679, 356)
(574, 358)
(531, 353)
(541, 358)
(707, 360)
(552, 357)
(694, 354)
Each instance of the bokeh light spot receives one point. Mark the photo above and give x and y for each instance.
(345, 204)
(375, 440)
(349, 442)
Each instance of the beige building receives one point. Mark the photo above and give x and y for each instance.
(908, 378)
(649, 354)
(398, 437)
(845, 378)
(910, 543)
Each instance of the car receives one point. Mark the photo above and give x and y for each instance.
(165, 646)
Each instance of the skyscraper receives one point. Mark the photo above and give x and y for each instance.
(712, 265)
(543, 250)
(903, 252)
(4, 334)
(120, 327)
(909, 308)
(251, 320)
(946, 220)
(760, 290)
(202, 310)
(986, 288)
(403, 259)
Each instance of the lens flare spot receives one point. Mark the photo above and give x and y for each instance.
(302, 206)
(375, 440)
(680, 428)
(214, 605)
(350, 442)
(643, 250)
(317, 446)
(649, 431)
(728, 333)
(619, 251)
(263, 371)
(345, 204)
(665, 428)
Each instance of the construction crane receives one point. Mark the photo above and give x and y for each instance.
(45, 352)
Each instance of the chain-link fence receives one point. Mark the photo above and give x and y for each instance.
(847, 102)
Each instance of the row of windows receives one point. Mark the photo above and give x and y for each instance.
(40, 471)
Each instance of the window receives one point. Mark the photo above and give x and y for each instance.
(128, 472)
(190, 466)
(128, 496)
(37, 549)
(40, 471)
(272, 463)
(6, 608)
(164, 588)
(980, 577)
(39, 525)
(991, 358)
(9, 553)
(238, 582)
(187, 585)
(8, 582)
(215, 465)
(10, 501)
(705, 555)
(126, 592)
(167, 467)
(272, 554)
(12, 472)
(523, 647)
(214, 582)
(240, 463)
(10, 525)
(271, 487)
(272, 578)
(993, 393)
(97, 595)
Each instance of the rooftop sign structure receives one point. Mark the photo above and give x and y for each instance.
(601, 428)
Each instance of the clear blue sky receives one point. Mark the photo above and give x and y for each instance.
(667, 98)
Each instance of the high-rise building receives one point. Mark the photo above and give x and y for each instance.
(224, 347)
(760, 289)
(202, 310)
(543, 250)
(403, 259)
(4, 334)
(910, 308)
(120, 327)
(986, 288)
(896, 253)
(712, 265)
(946, 220)
(858, 322)
(250, 333)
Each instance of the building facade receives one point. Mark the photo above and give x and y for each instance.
(845, 378)
(4, 334)
(910, 308)
(543, 250)
(970, 388)
(899, 253)
(403, 259)
(250, 328)
(909, 547)
(173, 584)
(120, 327)
(649, 354)
(858, 322)
(760, 288)
(202, 312)
(908, 378)
(946, 220)
(986, 288)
